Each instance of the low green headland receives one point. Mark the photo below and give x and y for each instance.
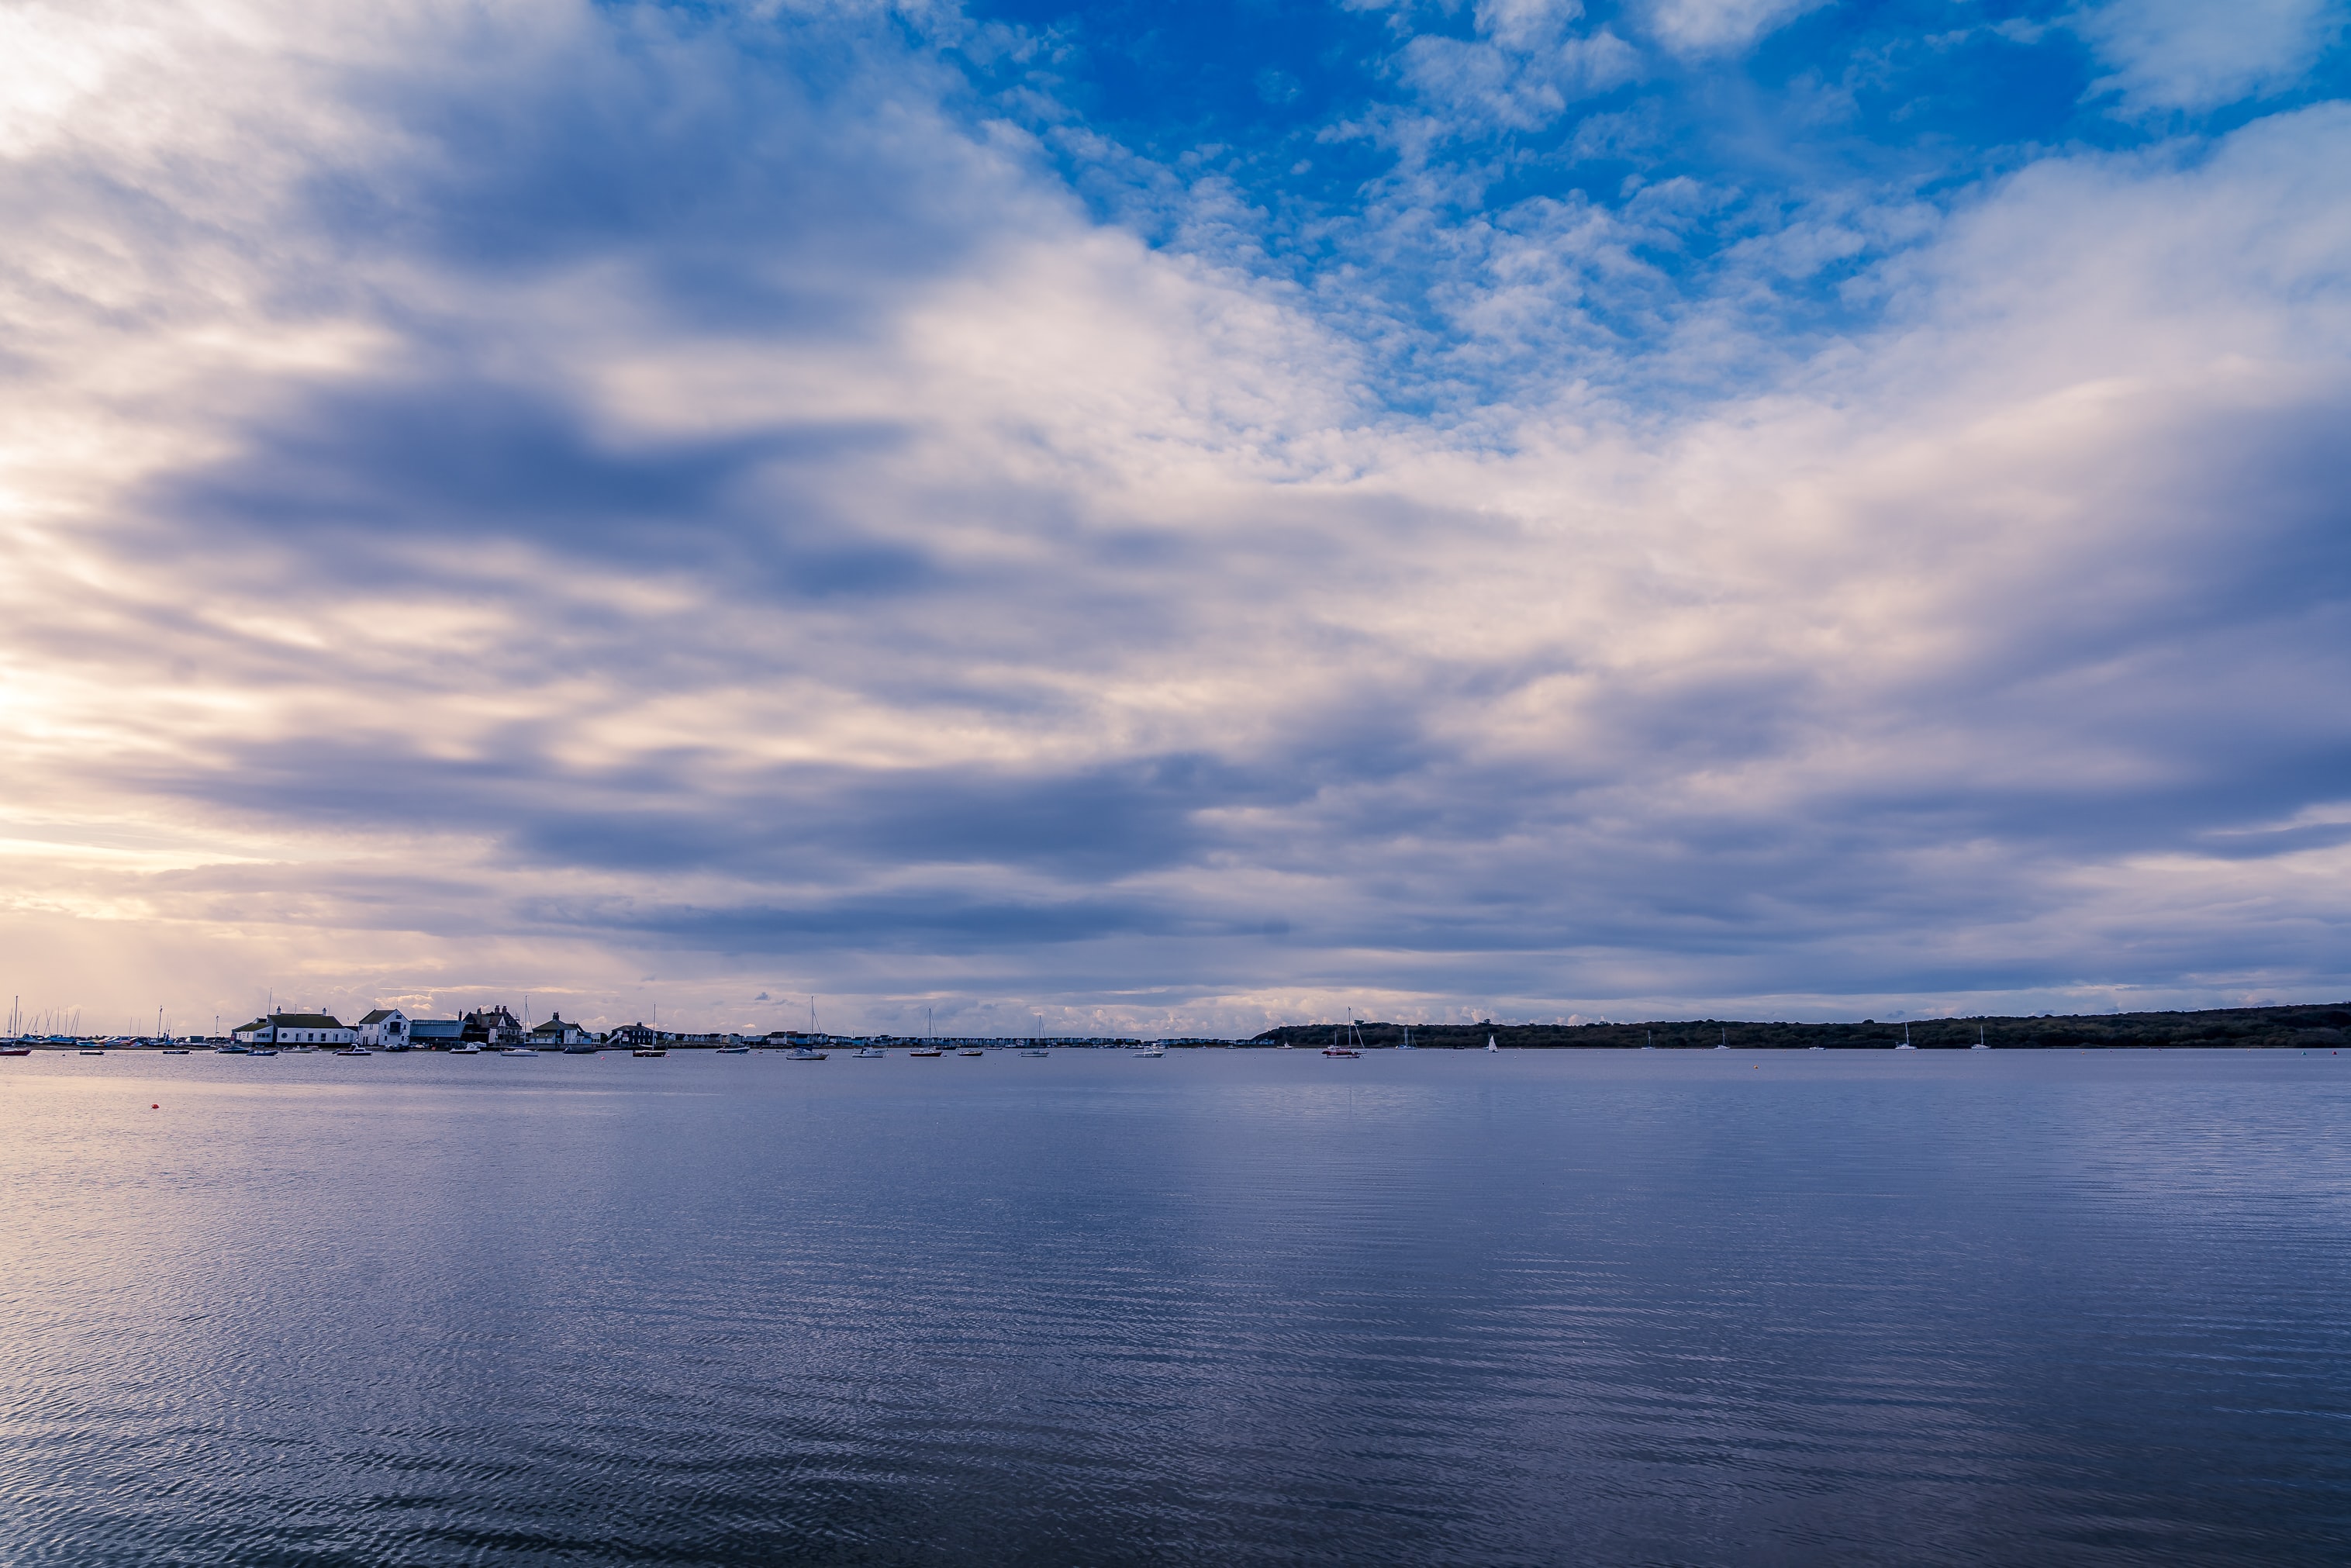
(2323, 1024)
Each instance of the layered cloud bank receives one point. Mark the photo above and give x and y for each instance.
(1587, 516)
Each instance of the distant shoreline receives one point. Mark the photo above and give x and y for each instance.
(2311, 1024)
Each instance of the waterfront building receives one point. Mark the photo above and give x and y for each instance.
(386, 1028)
(295, 1028)
(631, 1035)
(495, 1026)
(555, 1031)
(437, 1034)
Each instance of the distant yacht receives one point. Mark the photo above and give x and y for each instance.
(1905, 1044)
(1153, 1048)
(971, 1051)
(1490, 1045)
(804, 1053)
(733, 1050)
(927, 1050)
(871, 1052)
(1036, 1050)
(355, 1051)
(1979, 1044)
(1407, 1044)
(269, 1051)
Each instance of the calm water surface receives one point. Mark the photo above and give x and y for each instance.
(1255, 1307)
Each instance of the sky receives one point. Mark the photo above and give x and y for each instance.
(1170, 519)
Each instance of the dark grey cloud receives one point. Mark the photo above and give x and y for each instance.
(767, 176)
(363, 469)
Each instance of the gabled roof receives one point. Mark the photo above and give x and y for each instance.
(302, 1020)
(382, 1013)
(257, 1023)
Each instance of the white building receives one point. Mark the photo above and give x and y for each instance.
(558, 1031)
(295, 1028)
(386, 1028)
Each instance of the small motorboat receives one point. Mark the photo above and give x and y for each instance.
(16, 1050)
(1152, 1053)
(93, 1050)
(971, 1051)
(354, 1050)
(1327, 1050)
(1036, 1050)
(871, 1053)
(269, 1051)
(650, 1051)
(579, 1051)
(733, 1050)
(804, 1053)
(175, 1050)
(466, 1050)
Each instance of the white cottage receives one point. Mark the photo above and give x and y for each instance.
(386, 1029)
(295, 1028)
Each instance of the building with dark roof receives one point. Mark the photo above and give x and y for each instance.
(295, 1028)
(386, 1028)
(495, 1027)
(557, 1031)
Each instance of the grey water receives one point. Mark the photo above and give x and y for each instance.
(1226, 1307)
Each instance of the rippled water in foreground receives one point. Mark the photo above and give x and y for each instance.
(1222, 1308)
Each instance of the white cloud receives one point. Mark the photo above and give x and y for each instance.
(1695, 26)
(2192, 54)
(1523, 70)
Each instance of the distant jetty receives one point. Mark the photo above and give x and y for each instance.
(2319, 1024)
